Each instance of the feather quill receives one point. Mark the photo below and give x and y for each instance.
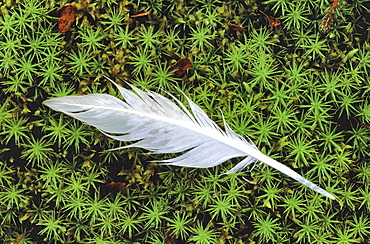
(162, 126)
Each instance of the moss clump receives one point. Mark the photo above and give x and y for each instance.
(299, 92)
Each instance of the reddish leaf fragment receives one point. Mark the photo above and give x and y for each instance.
(118, 186)
(367, 126)
(180, 66)
(327, 21)
(142, 14)
(237, 27)
(273, 22)
(169, 239)
(67, 15)
(20, 237)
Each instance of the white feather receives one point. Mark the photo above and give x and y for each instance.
(161, 126)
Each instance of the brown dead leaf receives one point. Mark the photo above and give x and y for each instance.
(180, 66)
(67, 16)
(237, 27)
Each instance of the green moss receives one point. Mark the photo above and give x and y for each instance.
(300, 94)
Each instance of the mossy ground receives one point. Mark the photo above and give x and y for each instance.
(301, 94)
